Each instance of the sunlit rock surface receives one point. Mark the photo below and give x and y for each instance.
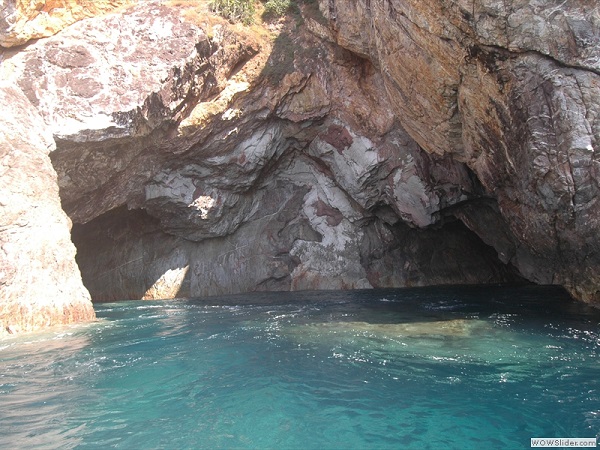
(24, 20)
(40, 284)
(115, 87)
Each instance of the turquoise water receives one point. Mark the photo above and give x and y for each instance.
(475, 367)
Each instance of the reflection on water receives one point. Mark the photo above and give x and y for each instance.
(454, 367)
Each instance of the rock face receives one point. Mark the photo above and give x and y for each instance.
(286, 185)
(113, 87)
(397, 143)
(512, 89)
(40, 284)
(24, 20)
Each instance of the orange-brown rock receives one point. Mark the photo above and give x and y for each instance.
(24, 20)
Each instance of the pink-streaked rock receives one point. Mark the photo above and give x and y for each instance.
(511, 88)
(116, 76)
(301, 182)
(112, 90)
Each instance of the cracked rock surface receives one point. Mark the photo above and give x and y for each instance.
(377, 144)
(40, 284)
(512, 89)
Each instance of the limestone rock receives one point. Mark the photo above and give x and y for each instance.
(40, 283)
(24, 20)
(107, 78)
(540, 161)
(567, 32)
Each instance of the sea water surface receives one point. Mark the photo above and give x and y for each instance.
(444, 367)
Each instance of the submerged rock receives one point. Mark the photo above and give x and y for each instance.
(434, 328)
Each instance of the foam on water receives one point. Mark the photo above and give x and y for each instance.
(475, 367)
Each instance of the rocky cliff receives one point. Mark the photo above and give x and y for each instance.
(364, 144)
(511, 89)
(40, 284)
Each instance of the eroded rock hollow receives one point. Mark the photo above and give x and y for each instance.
(361, 144)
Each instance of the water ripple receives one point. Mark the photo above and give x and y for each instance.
(472, 368)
